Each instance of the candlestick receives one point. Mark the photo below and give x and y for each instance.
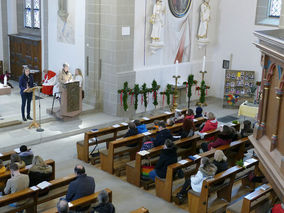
(176, 72)
(203, 66)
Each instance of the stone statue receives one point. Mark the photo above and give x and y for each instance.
(62, 10)
(204, 19)
(157, 19)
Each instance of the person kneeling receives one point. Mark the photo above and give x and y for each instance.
(205, 171)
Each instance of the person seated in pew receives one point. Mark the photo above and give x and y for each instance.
(278, 208)
(178, 117)
(39, 172)
(220, 161)
(26, 154)
(140, 127)
(170, 122)
(168, 156)
(147, 143)
(132, 130)
(2, 171)
(156, 124)
(104, 205)
(225, 137)
(82, 186)
(206, 170)
(198, 112)
(162, 134)
(16, 183)
(190, 114)
(15, 158)
(62, 206)
(246, 130)
(187, 128)
(210, 124)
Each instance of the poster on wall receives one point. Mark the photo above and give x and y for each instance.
(66, 21)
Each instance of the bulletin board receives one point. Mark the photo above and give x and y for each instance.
(237, 88)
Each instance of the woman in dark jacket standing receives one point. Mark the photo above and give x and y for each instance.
(168, 156)
(26, 81)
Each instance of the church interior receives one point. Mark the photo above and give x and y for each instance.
(142, 106)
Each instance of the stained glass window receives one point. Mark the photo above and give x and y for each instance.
(275, 8)
(32, 14)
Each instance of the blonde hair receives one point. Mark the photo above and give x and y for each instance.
(38, 161)
(219, 156)
(79, 71)
(211, 116)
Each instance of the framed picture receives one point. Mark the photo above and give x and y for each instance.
(179, 8)
(226, 64)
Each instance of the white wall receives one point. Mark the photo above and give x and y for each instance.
(1, 34)
(230, 33)
(12, 16)
(58, 52)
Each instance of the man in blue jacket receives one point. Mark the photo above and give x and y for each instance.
(162, 134)
(26, 81)
(82, 186)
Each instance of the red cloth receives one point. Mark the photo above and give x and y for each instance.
(277, 209)
(189, 117)
(210, 125)
(48, 90)
(219, 142)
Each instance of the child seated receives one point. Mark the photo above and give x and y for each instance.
(132, 130)
(156, 124)
(147, 143)
(190, 114)
(140, 127)
(178, 117)
(26, 154)
(198, 112)
(247, 130)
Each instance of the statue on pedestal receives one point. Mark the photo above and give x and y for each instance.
(204, 20)
(157, 19)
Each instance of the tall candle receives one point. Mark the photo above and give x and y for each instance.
(5, 81)
(203, 66)
(176, 68)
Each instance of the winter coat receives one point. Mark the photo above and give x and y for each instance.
(220, 141)
(162, 136)
(104, 208)
(210, 125)
(167, 157)
(221, 166)
(27, 157)
(202, 174)
(142, 128)
(37, 174)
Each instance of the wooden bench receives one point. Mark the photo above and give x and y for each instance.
(7, 155)
(251, 201)
(5, 176)
(84, 201)
(199, 202)
(28, 196)
(119, 147)
(140, 210)
(83, 146)
(134, 168)
(164, 186)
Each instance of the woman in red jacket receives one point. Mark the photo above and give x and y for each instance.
(210, 124)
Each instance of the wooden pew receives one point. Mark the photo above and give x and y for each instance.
(251, 201)
(28, 195)
(164, 186)
(198, 202)
(119, 147)
(140, 210)
(7, 155)
(83, 146)
(5, 176)
(84, 201)
(134, 168)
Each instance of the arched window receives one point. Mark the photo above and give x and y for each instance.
(268, 12)
(32, 14)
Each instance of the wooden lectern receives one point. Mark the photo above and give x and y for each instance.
(33, 90)
(71, 99)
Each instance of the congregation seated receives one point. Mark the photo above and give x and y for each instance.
(147, 143)
(210, 124)
(82, 186)
(104, 205)
(190, 114)
(246, 130)
(162, 134)
(16, 159)
(141, 128)
(48, 82)
(198, 112)
(187, 128)
(225, 137)
(178, 117)
(26, 154)
(62, 206)
(168, 156)
(205, 171)
(39, 171)
(16, 183)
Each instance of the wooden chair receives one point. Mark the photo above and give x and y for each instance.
(164, 186)
(140, 210)
(84, 201)
(83, 146)
(119, 147)
(251, 201)
(199, 202)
